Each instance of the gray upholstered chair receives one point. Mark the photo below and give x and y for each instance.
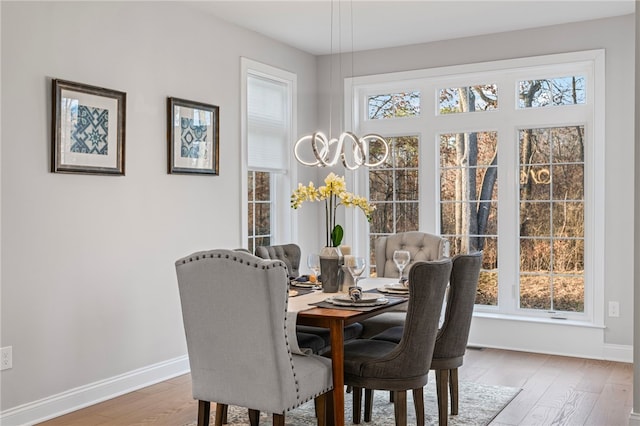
(453, 336)
(422, 246)
(317, 339)
(239, 349)
(288, 253)
(398, 367)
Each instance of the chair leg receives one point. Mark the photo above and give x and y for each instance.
(453, 389)
(204, 411)
(320, 403)
(442, 377)
(225, 411)
(368, 404)
(221, 412)
(254, 417)
(357, 404)
(278, 420)
(400, 407)
(418, 401)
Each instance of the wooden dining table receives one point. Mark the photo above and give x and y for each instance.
(335, 319)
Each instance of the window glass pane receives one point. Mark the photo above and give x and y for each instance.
(568, 294)
(468, 99)
(552, 170)
(468, 192)
(535, 292)
(406, 217)
(263, 192)
(487, 293)
(407, 185)
(553, 91)
(394, 188)
(394, 105)
(263, 218)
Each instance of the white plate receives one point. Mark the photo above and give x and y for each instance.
(394, 288)
(378, 301)
(304, 285)
(366, 298)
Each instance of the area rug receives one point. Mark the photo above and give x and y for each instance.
(479, 405)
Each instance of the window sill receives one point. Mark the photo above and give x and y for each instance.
(537, 320)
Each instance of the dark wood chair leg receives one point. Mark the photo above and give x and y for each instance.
(254, 417)
(418, 401)
(357, 405)
(278, 420)
(204, 412)
(453, 389)
(400, 407)
(221, 414)
(442, 377)
(320, 404)
(368, 404)
(329, 411)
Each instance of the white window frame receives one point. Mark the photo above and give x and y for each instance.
(506, 120)
(283, 223)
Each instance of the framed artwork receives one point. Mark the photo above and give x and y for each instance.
(192, 134)
(88, 129)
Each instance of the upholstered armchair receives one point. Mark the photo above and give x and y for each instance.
(315, 338)
(451, 343)
(240, 352)
(399, 367)
(288, 253)
(423, 247)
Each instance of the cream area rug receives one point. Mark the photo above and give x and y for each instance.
(479, 405)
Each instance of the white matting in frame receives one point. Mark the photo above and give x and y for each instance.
(88, 132)
(193, 141)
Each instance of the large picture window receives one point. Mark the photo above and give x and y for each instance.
(503, 165)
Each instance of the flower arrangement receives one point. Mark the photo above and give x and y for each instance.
(333, 193)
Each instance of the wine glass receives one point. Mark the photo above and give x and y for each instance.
(313, 262)
(401, 258)
(356, 267)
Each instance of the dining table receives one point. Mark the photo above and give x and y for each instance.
(313, 309)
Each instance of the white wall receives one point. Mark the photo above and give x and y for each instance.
(616, 36)
(88, 282)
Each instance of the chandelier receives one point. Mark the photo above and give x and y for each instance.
(351, 150)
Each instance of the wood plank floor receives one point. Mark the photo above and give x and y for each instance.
(555, 391)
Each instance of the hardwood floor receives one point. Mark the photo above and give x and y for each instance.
(555, 391)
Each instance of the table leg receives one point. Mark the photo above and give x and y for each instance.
(337, 358)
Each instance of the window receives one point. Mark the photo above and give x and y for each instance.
(531, 208)
(268, 117)
(394, 190)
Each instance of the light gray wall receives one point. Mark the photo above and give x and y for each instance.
(616, 36)
(88, 283)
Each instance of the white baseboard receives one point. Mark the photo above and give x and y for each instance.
(634, 419)
(84, 396)
(619, 353)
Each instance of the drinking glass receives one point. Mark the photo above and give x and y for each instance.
(356, 267)
(313, 262)
(401, 258)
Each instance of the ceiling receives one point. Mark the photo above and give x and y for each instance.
(306, 24)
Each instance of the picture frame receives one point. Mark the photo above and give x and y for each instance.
(193, 137)
(88, 129)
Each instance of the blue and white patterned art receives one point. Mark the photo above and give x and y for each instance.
(193, 139)
(90, 133)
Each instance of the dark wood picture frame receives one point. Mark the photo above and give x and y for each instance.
(88, 129)
(192, 137)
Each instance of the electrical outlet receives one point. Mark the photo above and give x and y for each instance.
(614, 309)
(6, 358)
